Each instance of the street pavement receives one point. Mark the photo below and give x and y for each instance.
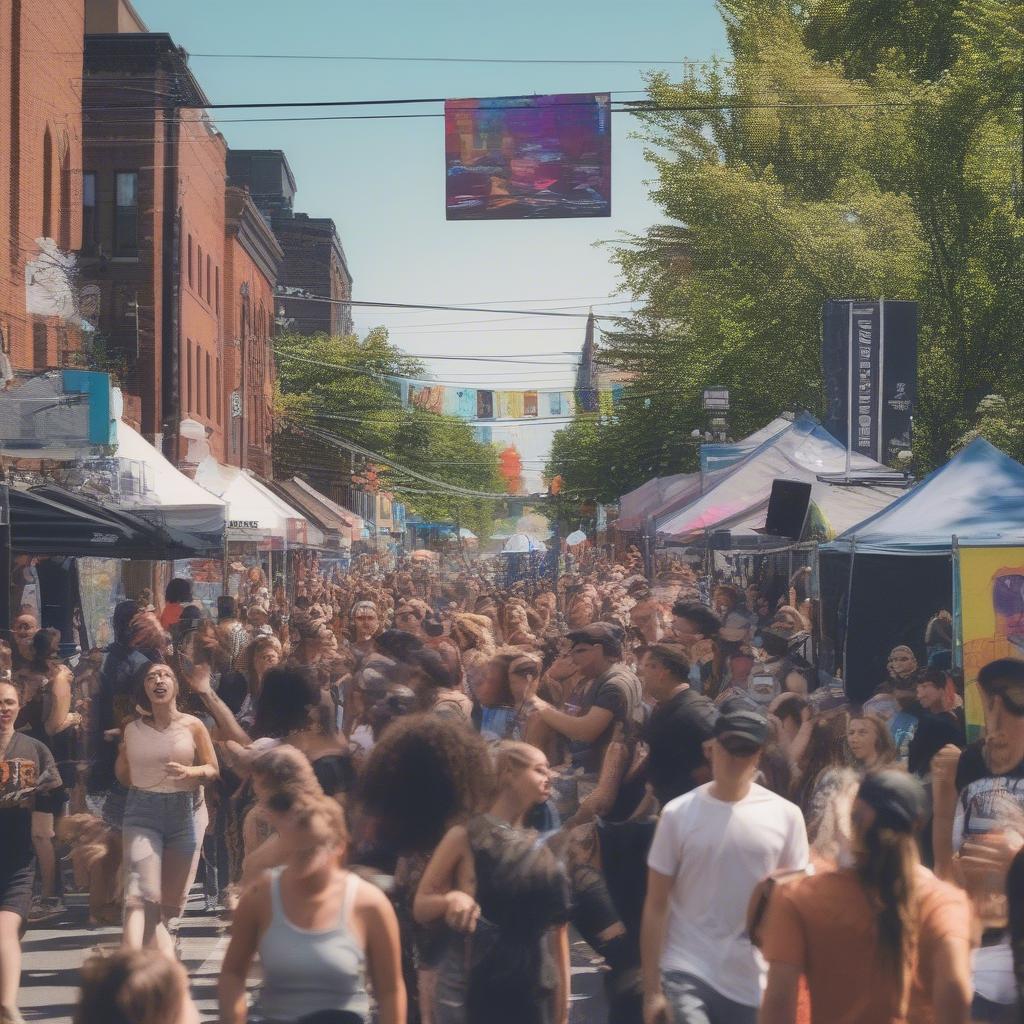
(54, 951)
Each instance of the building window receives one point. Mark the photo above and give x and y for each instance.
(47, 184)
(209, 410)
(216, 291)
(199, 268)
(209, 290)
(40, 346)
(190, 261)
(126, 214)
(188, 374)
(89, 238)
(220, 393)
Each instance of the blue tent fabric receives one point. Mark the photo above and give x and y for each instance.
(978, 496)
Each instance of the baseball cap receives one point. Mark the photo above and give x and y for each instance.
(741, 728)
(896, 797)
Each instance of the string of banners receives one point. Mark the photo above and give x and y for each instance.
(484, 404)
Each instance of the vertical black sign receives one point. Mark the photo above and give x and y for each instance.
(869, 367)
(899, 379)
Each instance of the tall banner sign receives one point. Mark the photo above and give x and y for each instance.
(989, 593)
(869, 366)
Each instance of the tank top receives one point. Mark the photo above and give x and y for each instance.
(150, 750)
(307, 971)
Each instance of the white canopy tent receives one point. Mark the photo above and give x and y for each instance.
(155, 489)
(255, 513)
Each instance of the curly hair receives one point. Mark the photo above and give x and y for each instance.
(425, 774)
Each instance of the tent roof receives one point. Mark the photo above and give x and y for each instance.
(803, 451)
(254, 511)
(664, 494)
(977, 496)
(52, 521)
(190, 514)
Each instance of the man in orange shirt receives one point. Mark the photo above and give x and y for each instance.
(882, 942)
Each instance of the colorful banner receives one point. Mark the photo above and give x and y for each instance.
(472, 404)
(990, 593)
(528, 157)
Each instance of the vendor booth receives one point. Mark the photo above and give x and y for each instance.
(666, 494)
(883, 579)
(804, 452)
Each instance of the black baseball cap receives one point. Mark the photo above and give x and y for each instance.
(896, 797)
(742, 728)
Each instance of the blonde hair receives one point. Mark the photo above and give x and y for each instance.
(322, 818)
(510, 756)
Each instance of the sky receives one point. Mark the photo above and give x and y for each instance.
(382, 181)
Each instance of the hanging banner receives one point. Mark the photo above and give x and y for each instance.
(869, 368)
(521, 158)
(990, 593)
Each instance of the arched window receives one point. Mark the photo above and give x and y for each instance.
(47, 184)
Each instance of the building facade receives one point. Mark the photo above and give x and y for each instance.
(153, 247)
(40, 167)
(253, 259)
(315, 285)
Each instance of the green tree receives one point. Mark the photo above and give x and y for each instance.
(344, 386)
(850, 148)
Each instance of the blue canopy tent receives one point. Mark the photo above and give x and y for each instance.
(883, 579)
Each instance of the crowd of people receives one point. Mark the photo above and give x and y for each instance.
(403, 794)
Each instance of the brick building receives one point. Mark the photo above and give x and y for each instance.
(40, 171)
(252, 261)
(153, 246)
(314, 259)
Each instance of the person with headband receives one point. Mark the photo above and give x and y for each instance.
(365, 627)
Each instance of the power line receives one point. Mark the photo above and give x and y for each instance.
(686, 62)
(416, 305)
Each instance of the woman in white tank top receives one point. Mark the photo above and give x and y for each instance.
(325, 937)
(165, 758)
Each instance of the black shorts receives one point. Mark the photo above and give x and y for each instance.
(16, 888)
(52, 802)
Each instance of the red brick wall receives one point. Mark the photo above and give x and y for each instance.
(249, 332)
(40, 92)
(201, 182)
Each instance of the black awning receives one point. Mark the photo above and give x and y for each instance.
(52, 521)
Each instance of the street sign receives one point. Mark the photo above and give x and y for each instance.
(716, 399)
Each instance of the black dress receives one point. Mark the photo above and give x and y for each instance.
(522, 892)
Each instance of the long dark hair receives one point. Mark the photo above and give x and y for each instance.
(886, 865)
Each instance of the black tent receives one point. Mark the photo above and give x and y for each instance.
(52, 521)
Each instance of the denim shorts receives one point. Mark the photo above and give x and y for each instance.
(694, 1001)
(160, 829)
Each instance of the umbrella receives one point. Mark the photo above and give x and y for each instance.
(523, 544)
(576, 537)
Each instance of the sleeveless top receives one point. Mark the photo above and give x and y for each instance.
(149, 750)
(307, 971)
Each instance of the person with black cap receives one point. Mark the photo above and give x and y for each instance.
(882, 940)
(711, 848)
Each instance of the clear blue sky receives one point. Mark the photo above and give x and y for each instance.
(383, 181)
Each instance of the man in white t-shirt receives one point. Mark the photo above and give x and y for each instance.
(712, 846)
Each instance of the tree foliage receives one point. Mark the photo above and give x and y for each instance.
(851, 148)
(342, 385)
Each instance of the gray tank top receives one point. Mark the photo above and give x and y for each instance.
(306, 971)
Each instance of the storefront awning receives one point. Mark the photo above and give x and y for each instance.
(336, 522)
(191, 515)
(255, 513)
(52, 521)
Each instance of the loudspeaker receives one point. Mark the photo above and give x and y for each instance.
(787, 509)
